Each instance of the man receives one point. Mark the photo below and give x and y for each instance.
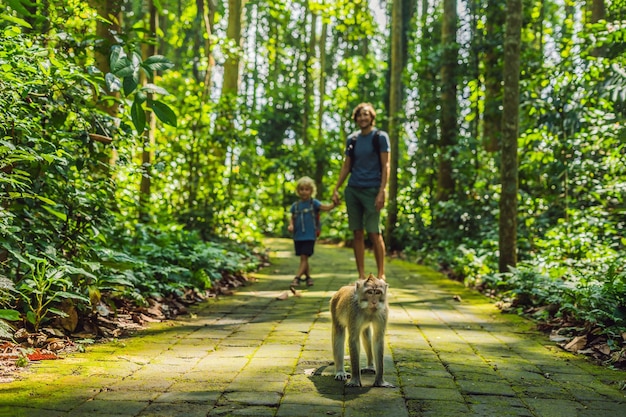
(367, 163)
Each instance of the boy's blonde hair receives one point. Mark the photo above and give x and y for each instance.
(306, 181)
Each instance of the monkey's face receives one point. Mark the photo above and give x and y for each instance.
(372, 294)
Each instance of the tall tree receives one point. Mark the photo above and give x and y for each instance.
(225, 129)
(149, 48)
(510, 127)
(233, 34)
(447, 140)
(107, 27)
(321, 163)
(492, 117)
(401, 15)
(308, 78)
(207, 11)
(597, 13)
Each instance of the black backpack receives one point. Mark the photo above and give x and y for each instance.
(375, 143)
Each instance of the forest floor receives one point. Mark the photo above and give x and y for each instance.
(266, 352)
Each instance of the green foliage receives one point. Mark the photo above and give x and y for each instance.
(65, 216)
(44, 288)
(125, 76)
(7, 290)
(587, 293)
(55, 191)
(158, 261)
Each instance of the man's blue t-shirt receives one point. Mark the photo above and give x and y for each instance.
(304, 219)
(366, 168)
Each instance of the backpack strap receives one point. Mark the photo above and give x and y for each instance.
(375, 144)
(299, 213)
(316, 218)
(350, 150)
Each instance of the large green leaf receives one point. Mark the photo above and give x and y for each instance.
(163, 112)
(154, 89)
(130, 84)
(10, 315)
(58, 312)
(157, 63)
(15, 20)
(19, 6)
(138, 116)
(113, 82)
(71, 295)
(117, 55)
(58, 214)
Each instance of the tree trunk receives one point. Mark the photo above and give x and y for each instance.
(492, 117)
(147, 153)
(233, 33)
(447, 141)
(109, 11)
(510, 127)
(254, 77)
(395, 112)
(206, 10)
(208, 17)
(308, 82)
(320, 143)
(225, 130)
(105, 33)
(597, 13)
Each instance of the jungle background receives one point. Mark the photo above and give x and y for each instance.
(147, 147)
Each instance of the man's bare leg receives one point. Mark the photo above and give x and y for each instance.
(378, 244)
(359, 252)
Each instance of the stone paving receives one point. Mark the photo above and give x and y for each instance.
(449, 351)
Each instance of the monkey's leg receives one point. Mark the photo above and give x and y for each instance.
(339, 343)
(354, 348)
(379, 352)
(366, 337)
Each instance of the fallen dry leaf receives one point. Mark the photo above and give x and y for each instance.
(70, 321)
(283, 296)
(41, 356)
(576, 344)
(603, 348)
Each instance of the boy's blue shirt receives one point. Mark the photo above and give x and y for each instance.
(366, 169)
(304, 221)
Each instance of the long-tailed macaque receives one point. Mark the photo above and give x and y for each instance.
(360, 308)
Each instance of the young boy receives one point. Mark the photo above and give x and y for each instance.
(302, 224)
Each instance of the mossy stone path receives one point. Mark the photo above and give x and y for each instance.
(449, 352)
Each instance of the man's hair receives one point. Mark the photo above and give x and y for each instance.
(364, 106)
(308, 181)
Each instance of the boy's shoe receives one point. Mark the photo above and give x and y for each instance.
(309, 281)
(295, 282)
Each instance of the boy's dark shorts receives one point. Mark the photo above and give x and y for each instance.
(304, 247)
